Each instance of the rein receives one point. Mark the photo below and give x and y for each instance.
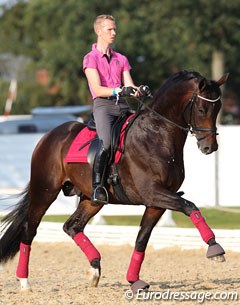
(190, 129)
(186, 129)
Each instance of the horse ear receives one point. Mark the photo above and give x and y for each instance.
(223, 79)
(202, 84)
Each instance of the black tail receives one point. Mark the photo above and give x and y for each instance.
(12, 226)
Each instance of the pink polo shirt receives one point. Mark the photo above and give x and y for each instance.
(110, 72)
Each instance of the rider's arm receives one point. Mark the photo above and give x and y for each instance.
(95, 83)
(128, 82)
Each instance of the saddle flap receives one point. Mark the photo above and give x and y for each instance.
(84, 146)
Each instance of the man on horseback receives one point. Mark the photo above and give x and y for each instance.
(106, 71)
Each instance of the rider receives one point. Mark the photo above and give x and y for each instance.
(106, 71)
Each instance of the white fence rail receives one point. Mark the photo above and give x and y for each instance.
(160, 238)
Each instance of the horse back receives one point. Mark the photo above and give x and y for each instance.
(57, 141)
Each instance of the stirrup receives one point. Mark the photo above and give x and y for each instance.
(104, 191)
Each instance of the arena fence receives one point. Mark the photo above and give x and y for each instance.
(161, 237)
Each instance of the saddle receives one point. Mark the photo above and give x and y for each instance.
(116, 132)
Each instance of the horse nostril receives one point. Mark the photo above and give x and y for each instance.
(206, 150)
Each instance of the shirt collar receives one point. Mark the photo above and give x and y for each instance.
(94, 48)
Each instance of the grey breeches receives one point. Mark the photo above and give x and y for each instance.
(105, 112)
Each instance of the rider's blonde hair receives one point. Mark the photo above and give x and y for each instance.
(99, 19)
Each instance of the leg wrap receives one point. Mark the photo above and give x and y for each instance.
(135, 266)
(202, 226)
(86, 246)
(22, 268)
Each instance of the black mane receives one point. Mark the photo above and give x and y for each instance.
(182, 75)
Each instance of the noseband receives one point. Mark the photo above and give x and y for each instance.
(192, 128)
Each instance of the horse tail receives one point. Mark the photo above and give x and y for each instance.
(12, 226)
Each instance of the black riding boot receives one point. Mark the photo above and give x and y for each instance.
(100, 194)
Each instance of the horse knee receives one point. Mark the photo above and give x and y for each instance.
(188, 207)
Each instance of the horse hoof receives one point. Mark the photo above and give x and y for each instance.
(93, 276)
(139, 285)
(218, 259)
(24, 285)
(25, 291)
(215, 251)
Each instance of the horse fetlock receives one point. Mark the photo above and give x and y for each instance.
(95, 263)
(211, 242)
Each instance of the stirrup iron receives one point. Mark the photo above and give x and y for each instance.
(96, 200)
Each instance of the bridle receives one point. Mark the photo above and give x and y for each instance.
(192, 129)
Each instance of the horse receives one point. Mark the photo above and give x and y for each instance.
(151, 171)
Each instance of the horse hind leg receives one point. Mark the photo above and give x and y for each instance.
(38, 205)
(11, 239)
(74, 227)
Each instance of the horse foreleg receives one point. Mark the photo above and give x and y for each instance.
(172, 201)
(149, 220)
(74, 227)
(215, 251)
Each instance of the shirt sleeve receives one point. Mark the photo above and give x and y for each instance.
(89, 61)
(126, 65)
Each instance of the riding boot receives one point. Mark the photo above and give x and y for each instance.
(100, 194)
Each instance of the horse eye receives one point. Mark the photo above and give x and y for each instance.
(201, 111)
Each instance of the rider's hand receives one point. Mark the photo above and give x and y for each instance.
(145, 90)
(127, 91)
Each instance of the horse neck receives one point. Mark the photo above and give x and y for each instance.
(171, 105)
(164, 133)
(171, 109)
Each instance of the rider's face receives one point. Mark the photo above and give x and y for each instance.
(107, 31)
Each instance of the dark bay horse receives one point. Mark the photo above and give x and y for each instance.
(151, 172)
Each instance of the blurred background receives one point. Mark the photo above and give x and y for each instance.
(42, 44)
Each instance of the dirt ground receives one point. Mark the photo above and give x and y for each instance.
(58, 276)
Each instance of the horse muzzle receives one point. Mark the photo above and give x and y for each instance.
(208, 144)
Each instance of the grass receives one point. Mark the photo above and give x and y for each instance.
(217, 218)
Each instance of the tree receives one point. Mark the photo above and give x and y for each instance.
(158, 37)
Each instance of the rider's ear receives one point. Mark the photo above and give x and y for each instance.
(223, 79)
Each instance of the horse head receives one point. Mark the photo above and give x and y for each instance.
(190, 102)
(203, 109)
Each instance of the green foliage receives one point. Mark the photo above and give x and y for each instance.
(216, 218)
(158, 37)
